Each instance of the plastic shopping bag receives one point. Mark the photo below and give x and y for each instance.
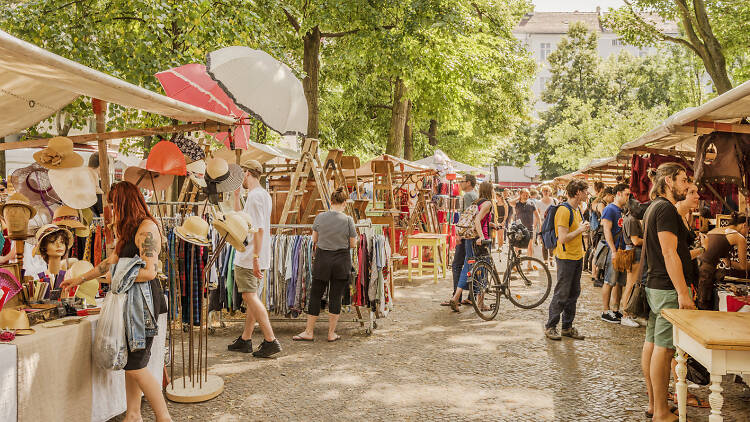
(110, 344)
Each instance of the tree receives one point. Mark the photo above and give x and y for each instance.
(711, 30)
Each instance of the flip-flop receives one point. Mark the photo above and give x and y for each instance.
(464, 302)
(650, 415)
(446, 303)
(300, 338)
(337, 338)
(698, 402)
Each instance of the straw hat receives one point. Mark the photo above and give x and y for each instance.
(141, 177)
(33, 181)
(197, 171)
(67, 217)
(225, 153)
(59, 154)
(47, 230)
(224, 176)
(236, 225)
(194, 230)
(15, 320)
(76, 187)
(19, 199)
(88, 289)
(166, 158)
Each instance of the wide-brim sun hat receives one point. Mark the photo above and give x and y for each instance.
(166, 158)
(47, 230)
(224, 176)
(88, 289)
(15, 320)
(194, 230)
(76, 187)
(67, 217)
(189, 148)
(58, 154)
(197, 171)
(142, 178)
(235, 228)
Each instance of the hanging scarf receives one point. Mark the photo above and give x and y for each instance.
(212, 186)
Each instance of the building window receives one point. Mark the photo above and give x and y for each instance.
(545, 49)
(617, 42)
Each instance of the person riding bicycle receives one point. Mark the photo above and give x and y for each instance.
(482, 226)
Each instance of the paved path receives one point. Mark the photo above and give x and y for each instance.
(426, 363)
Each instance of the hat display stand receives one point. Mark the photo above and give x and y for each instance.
(196, 385)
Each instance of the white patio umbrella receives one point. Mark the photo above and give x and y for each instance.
(262, 86)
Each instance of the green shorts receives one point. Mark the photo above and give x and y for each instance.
(246, 280)
(659, 330)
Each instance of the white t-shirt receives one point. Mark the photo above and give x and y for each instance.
(258, 206)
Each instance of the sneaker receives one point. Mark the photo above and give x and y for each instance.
(240, 345)
(268, 349)
(551, 333)
(572, 333)
(619, 314)
(629, 322)
(598, 283)
(610, 316)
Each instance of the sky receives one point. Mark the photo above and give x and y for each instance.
(571, 5)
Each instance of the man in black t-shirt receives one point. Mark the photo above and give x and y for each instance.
(667, 256)
(525, 210)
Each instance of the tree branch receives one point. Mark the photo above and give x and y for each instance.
(353, 31)
(291, 19)
(654, 30)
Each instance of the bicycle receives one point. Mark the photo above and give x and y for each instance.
(526, 288)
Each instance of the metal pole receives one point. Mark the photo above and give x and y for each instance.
(204, 286)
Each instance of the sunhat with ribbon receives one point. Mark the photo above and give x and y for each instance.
(197, 171)
(59, 154)
(190, 149)
(221, 177)
(166, 158)
(47, 230)
(17, 321)
(67, 217)
(236, 227)
(88, 289)
(194, 230)
(141, 177)
(76, 187)
(18, 199)
(33, 181)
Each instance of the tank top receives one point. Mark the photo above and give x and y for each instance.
(130, 250)
(718, 247)
(485, 223)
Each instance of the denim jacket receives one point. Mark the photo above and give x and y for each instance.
(139, 309)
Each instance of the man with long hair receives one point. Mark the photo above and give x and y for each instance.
(250, 264)
(667, 256)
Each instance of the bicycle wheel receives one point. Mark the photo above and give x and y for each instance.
(484, 291)
(530, 282)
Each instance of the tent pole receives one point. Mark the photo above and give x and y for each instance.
(100, 111)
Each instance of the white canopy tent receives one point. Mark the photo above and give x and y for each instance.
(35, 84)
(457, 166)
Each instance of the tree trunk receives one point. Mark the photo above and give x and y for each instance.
(713, 48)
(311, 66)
(395, 144)
(408, 141)
(432, 133)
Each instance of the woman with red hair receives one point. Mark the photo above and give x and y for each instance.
(137, 233)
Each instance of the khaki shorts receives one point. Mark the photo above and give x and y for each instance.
(245, 280)
(659, 330)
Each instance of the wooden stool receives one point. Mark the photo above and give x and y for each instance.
(436, 242)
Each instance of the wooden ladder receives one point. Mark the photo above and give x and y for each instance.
(331, 171)
(307, 164)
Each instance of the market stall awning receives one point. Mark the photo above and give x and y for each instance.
(269, 153)
(35, 84)
(457, 166)
(400, 166)
(682, 128)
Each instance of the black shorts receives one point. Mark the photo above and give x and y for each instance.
(139, 359)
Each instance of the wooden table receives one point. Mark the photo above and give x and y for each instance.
(720, 341)
(439, 257)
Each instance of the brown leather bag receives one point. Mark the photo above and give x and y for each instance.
(622, 259)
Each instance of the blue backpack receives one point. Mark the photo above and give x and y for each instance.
(595, 221)
(549, 238)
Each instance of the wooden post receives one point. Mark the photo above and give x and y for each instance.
(100, 111)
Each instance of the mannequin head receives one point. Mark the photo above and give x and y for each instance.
(54, 246)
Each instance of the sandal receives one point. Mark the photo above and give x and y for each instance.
(466, 302)
(454, 306)
(445, 303)
(300, 338)
(650, 415)
(692, 401)
(337, 338)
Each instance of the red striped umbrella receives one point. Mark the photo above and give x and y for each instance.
(190, 83)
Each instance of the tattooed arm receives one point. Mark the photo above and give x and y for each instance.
(98, 271)
(148, 240)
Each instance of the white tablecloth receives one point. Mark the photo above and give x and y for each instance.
(108, 387)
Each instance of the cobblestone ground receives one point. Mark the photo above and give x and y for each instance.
(426, 363)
